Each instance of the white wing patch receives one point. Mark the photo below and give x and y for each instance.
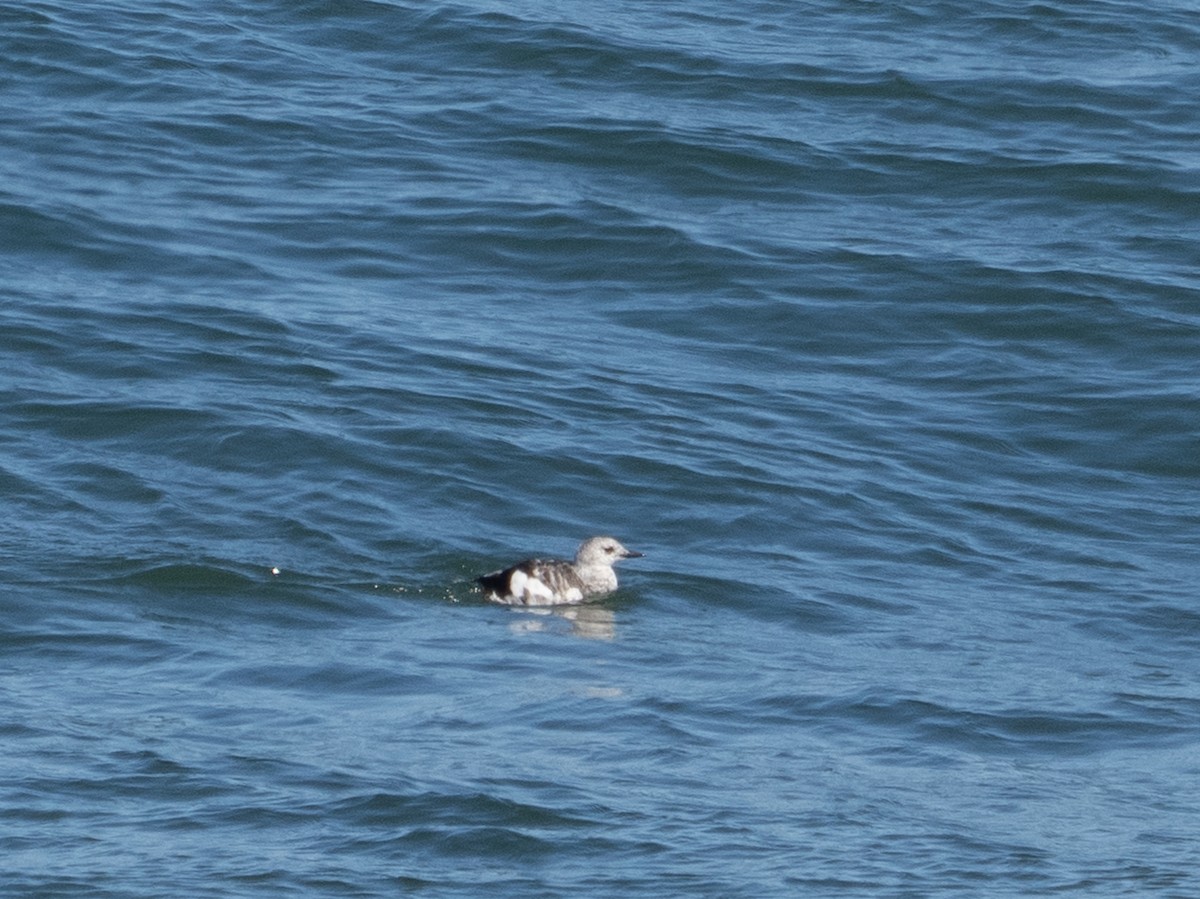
(529, 589)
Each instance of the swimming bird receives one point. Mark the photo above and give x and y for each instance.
(551, 582)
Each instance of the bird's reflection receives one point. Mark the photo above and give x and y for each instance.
(589, 622)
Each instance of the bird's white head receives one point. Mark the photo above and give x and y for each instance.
(602, 551)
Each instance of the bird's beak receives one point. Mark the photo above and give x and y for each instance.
(630, 554)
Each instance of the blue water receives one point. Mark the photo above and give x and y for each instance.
(874, 326)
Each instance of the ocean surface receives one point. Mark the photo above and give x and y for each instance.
(875, 326)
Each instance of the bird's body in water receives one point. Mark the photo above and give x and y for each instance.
(550, 582)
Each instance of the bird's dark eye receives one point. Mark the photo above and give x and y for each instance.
(610, 549)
